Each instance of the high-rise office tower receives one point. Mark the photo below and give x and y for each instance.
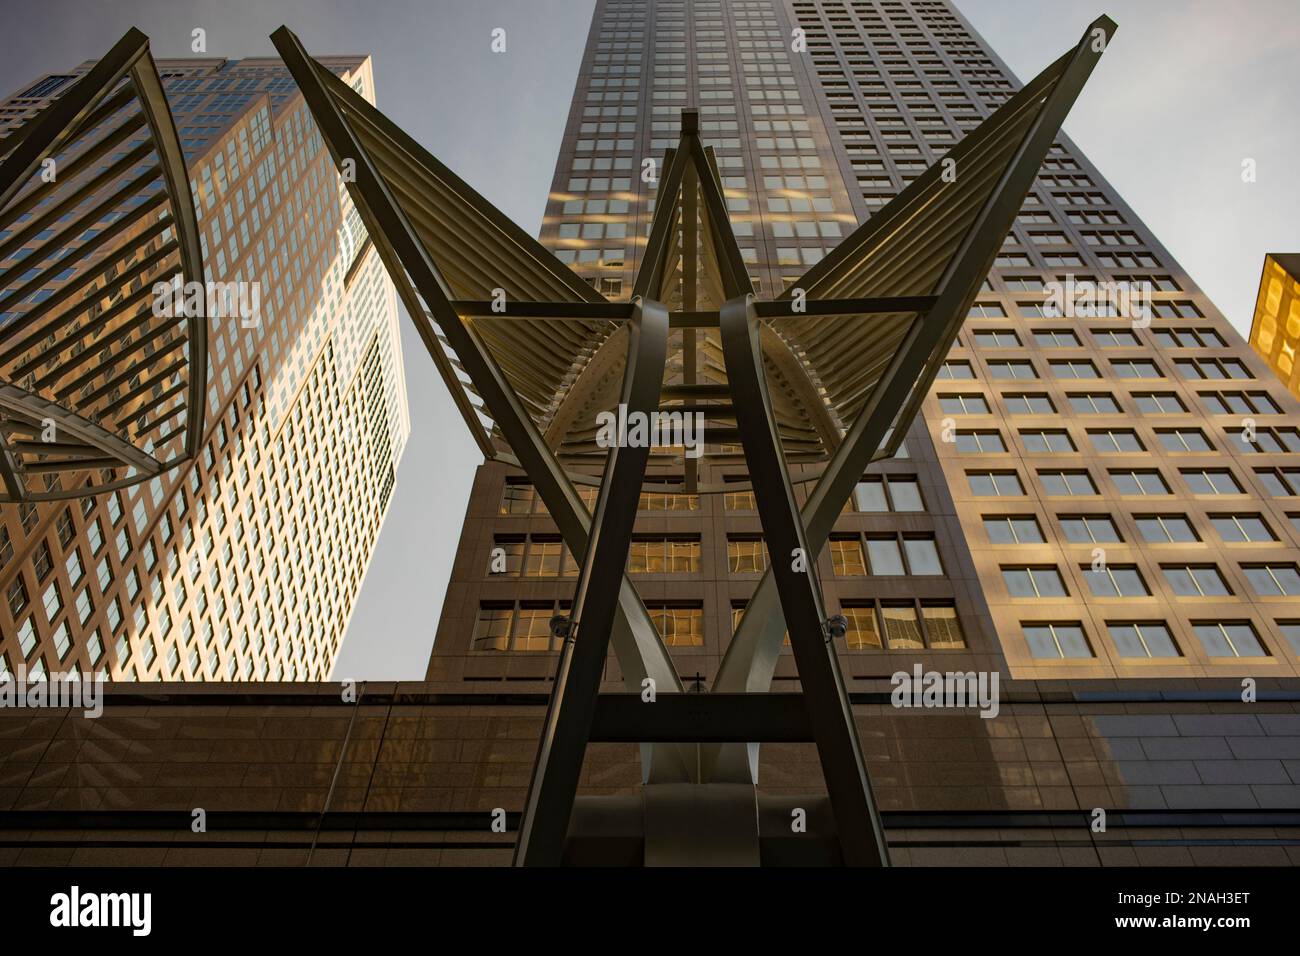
(245, 563)
(1103, 482)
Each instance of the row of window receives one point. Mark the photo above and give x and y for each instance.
(1105, 403)
(1232, 528)
(1067, 640)
(546, 556)
(875, 493)
(1199, 369)
(892, 625)
(1278, 482)
(1171, 338)
(1039, 441)
(1126, 580)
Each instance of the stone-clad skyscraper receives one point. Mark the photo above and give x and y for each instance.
(1088, 491)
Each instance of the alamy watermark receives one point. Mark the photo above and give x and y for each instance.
(933, 689)
(1086, 298)
(68, 691)
(624, 429)
(77, 908)
(211, 299)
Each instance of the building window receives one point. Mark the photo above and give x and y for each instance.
(994, 484)
(17, 596)
(1228, 638)
(1184, 440)
(1013, 529)
(548, 558)
(532, 628)
(1279, 482)
(902, 626)
(1195, 580)
(522, 627)
(1034, 582)
(506, 557)
(1089, 529)
(980, 442)
(746, 555)
(897, 493)
(1273, 580)
(942, 628)
(1142, 639)
(847, 557)
(679, 625)
(1201, 481)
(1139, 482)
(1044, 442)
(1029, 404)
(1115, 580)
(957, 404)
(668, 501)
(648, 555)
(739, 500)
(1240, 528)
(1067, 483)
(1291, 631)
(519, 498)
(1165, 529)
(1115, 440)
(1064, 640)
(862, 633)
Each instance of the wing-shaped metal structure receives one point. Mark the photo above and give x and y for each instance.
(831, 372)
(99, 388)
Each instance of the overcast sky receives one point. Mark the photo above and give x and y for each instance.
(1185, 92)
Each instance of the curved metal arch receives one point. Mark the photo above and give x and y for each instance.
(99, 388)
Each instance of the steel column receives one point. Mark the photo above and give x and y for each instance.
(792, 563)
(572, 707)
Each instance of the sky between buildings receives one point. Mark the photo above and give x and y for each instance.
(1187, 90)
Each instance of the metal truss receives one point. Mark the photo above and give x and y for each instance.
(888, 302)
(97, 390)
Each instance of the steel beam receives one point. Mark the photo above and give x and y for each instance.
(567, 727)
(629, 718)
(637, 644)
(792, 563)
(58, 123)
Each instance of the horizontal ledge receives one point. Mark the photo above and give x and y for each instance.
(785, 308)
(550, 311)
(698, 319)
(699, 718)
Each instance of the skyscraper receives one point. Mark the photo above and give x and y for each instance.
(240, 565)
(1101, 482)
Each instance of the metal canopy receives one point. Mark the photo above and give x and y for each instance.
(97, 388)
(868, 327)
